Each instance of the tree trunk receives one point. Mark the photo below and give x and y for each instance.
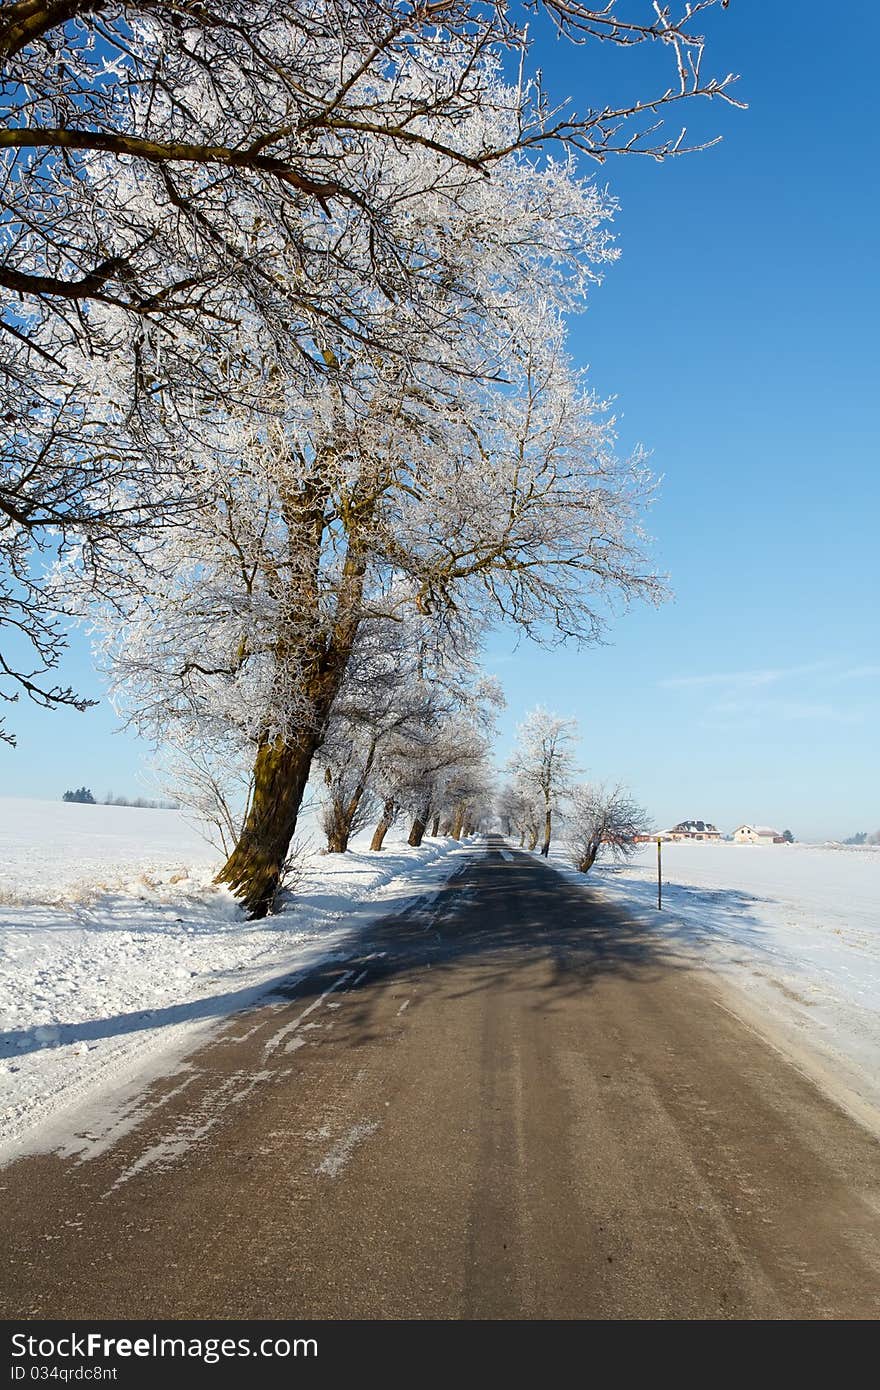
(343, 814)
(253, 869)
(458, 824)
(419, 826)
(281, 771)
(388, 811)
(379, 835)
(545, 848)
(339, 833)
(435, 828)
(533, 839)
(587, 859)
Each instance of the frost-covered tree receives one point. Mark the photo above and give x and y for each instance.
(403, 679)
(74, 488)
(172, 171)
(543, 763)
(209, 780)
(521, 813)
(603, 818)
(446, 784)
(469, 795)
(186, 184)
(274, 110)
(444, 771)
(347, 801)
(436, 769)
(437, 489)
(384, 696)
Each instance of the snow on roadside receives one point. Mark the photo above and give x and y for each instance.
(792, 930)
(115, 946)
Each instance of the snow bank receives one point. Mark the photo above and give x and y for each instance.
(115, 946)
(794, 930)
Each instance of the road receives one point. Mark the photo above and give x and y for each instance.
(512, 1102)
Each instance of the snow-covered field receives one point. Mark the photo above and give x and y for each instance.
(793, 929)
(116, 947)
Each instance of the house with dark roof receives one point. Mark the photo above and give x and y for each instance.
(693, 830)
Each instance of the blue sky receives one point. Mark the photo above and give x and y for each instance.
(738, 335)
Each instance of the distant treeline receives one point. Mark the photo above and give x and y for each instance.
(85, 797)
(863, 838)
(111, 800)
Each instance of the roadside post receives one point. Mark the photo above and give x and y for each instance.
(659, 874)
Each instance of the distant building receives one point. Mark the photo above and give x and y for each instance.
(757, 835)
(693, 830)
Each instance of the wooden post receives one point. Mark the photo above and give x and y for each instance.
(659, 874)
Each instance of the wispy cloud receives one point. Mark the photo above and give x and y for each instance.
(779, 695)
(743, 680)
(784, 711)
(857, 673)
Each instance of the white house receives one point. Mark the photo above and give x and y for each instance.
(757, 835)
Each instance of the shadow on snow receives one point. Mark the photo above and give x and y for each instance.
(495, 914)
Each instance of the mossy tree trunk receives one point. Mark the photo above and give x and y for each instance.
(253, 869)
(281, 770)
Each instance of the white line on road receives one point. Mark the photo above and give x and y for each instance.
(278, 1038)
(333, 1162)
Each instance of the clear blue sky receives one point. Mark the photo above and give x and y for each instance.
(738, 334)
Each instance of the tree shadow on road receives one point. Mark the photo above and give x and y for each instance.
(496, 915)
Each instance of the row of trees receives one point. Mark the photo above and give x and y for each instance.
(543, 784)
(85, 796)
(284, 392)
(409, 735)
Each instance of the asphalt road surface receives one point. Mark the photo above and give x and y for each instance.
(512, 1102)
